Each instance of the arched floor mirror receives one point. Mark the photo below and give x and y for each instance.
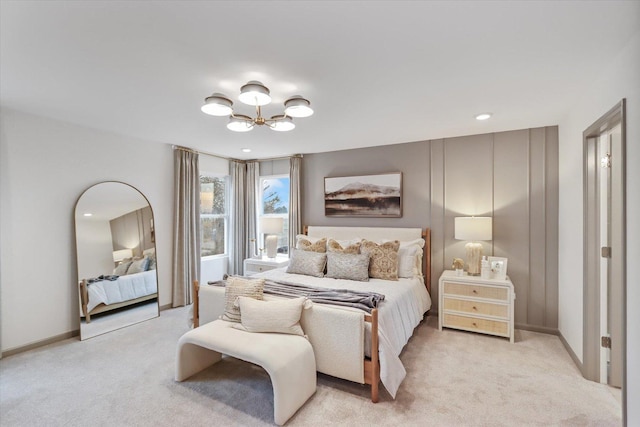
(116, 253)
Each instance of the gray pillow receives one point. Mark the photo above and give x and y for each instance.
(307, 263)
(348, 266)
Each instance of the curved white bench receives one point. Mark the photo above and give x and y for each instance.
(288, 359)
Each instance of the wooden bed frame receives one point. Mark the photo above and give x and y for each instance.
(371, 365)
(101, 308)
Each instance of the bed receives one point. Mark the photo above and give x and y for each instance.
(350, 343)
(99, 296)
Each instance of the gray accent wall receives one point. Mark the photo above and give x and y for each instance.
(511, 176)
(412, 159)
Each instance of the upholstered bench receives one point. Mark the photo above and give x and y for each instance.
(288, 359)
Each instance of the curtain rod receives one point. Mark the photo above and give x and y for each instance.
(191, 150)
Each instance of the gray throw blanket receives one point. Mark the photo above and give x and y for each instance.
(101, 278)
(362, 300)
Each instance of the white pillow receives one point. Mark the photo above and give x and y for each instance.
(410, 258)
(149, 252)
(410, 261)
(277, 316)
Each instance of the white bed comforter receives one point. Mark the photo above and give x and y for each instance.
(406, 301)
(125, 288)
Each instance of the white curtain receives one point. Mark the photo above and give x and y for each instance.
(251, 207)
(186, 225)
(295, 224)
(238, 172)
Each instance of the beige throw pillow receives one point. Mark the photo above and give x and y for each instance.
(335, 246)
(383, 262)
(279, 316)
(235, 288)
(317, 246)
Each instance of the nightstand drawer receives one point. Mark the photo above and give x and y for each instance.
(477, 307)
(258, 265)
(476, 291)
(259, 268)
(477, 325)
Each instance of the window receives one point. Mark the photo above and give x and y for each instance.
(214, 217)
(274, 202)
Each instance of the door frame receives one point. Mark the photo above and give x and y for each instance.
(591, 247)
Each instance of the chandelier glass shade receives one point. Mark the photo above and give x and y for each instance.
(257, 95)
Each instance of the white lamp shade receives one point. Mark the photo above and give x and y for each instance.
(473, 228)
(121, 254)
(271, 225)
(217, 105)
(282, 124)
(254, 93)
(297, 106)
(240, 123)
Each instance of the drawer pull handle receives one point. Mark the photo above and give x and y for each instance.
(475, 308)
(474, 324)
(475, 292)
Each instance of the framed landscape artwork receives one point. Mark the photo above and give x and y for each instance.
(364, 196)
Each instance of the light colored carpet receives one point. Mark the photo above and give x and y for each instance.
(125, 378)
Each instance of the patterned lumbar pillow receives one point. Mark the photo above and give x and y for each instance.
(384, 259)
(348, 266)
(138, 266)
(348, 248)
(317, 246)
(276, 316)
(122, 268)
(308, 263)
(237, 287)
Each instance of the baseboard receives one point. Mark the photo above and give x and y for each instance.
(52, 340)
(41, 343)
(573, 356)
(534, 328)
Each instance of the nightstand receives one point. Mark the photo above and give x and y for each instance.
(258, 265)
(479, 305)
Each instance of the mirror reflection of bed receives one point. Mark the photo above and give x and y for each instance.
(115, 243)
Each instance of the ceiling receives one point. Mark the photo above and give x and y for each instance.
(376, 73)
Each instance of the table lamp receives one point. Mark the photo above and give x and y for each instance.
(121, 254)
(473, 229)
(271, 227)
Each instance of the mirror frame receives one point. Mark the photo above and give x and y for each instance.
(82, 285)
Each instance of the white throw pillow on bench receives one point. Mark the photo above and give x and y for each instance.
(280, 316)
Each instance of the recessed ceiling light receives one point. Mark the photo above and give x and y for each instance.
(88, 214)
(246, 150)
(483, 116)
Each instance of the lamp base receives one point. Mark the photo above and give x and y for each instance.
(271, 244)
(474, 257)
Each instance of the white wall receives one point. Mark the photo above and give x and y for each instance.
(44, 167)
(620, 79)
(96, 257)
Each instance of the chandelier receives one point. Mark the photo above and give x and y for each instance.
(256, 94)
